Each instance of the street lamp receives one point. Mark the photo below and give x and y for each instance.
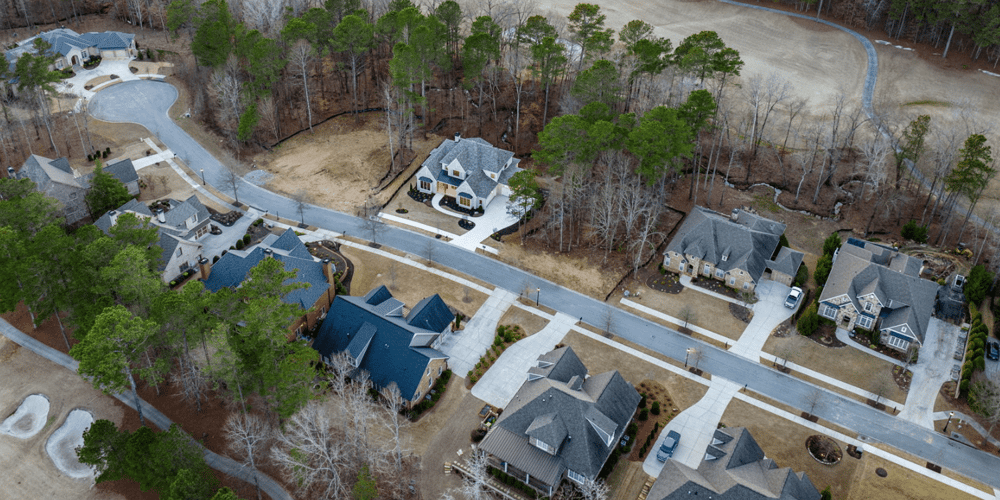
(538, 293)
(203, 177)
(686, 354)
(950, 414)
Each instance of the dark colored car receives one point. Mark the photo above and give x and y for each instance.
(993, 350)
(669, 445)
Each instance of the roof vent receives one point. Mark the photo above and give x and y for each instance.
(458, 136)
(735, 214)
(268, 251)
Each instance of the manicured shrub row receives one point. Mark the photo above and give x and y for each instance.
(513, 482)
(436, 392)
(975, 349)
(506, 335)
(649, 440)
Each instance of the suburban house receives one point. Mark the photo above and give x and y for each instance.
(470, 170)
(874, 286)
(392, 345)
(181, 227)
(57, 179)
(561, 423)
(314, 299)
(734, 467)
(73, 49)
(738, 250)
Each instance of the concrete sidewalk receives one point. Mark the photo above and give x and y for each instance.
(180, 171)
(465, 347)
(504, 378)
(686, 282)
(832, 381)
(965, 420)
(666, 317)
(845, 337)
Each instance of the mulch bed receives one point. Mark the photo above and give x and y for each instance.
(902, 377)
(825, 450)
(741, 313)
(227, 219)
(666, 283)
(452, 204)
(866, 342)
(715, 286)
(654, 391)
(466, 224)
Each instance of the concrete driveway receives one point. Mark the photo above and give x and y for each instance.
(932, 369)
(117, 67)
(504, 378)
(768, 313)
(465, 347)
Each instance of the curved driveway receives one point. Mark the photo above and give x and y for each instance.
(218, 462)
(146, 103)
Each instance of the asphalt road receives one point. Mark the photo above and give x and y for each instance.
(220, 463)
(146, 102)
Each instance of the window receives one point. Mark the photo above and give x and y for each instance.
(864, 322)
(746, 286)
(719, 273)
(897, 342)
(666, 261)
(868, 307)
(456, 173)
(180, 251)
(732, 281)
(828, 311)
(465, 202)
(544, 447)
(440, 370)
(708, 269)
(575, 476)
(426, 186)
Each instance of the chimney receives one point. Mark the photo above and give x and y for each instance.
(328, 270)
(160, 217)
(268, 252)
(113, 214)
(458, 136)
(205, 266)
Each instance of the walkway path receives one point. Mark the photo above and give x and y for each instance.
(504, 378)
(148, 101)
(180, 171)
(845, 337)
(220, 463)
(931, 370)
(686, 282)
(465, 347)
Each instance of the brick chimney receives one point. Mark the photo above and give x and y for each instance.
(328, 270)
(205, 266)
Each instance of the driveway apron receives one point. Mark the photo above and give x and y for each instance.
(465, 347)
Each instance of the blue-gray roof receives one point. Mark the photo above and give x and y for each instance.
(232, 269)
(431, 313)
(290, 243)
(64, 40)
(389, 358)
(362, 339)
(122, 170)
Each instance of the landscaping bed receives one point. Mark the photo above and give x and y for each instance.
(715, 286)
(439, 386)
(506, 335)
(825, 450)
(902, 377)
(655, 410)
(452, 204)
(741, 313)
(666, 282)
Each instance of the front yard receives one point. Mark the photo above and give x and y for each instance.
(846, 364)
(698, 308)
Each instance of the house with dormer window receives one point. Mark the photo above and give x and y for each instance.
(470, 170)
(392, 344)
(561, 424)
(874, 286)
(738, 250)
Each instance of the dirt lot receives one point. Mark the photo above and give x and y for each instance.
(411, 284)
(844, 363)
(446, 430)
(854, 479)
(340, 163)
(576, 273)
(28, 470)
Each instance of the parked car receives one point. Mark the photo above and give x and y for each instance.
(993, 350)
(792, 301)
(669, 445)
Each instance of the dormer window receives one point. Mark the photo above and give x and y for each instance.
(543, 446)
(456, 173)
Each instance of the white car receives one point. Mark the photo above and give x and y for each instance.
(792, 301)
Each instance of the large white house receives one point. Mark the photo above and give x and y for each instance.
(470, 170)
(73, 49)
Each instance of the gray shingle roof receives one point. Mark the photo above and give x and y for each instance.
(478, 158)
(64, 40)
(549, 410)
(108, 40)
(44, 171)
(431, 313)
(390, 358)
(862, 268)
(746, 243)
(232, 269)
(787, 261)
(739, 471)
(362, 339)
(560, 364)
(122, 170)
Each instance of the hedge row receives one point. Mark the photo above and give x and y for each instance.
(437, 392)
(975, 349)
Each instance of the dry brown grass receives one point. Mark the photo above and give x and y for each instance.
(411, 284)
(529, 323)
(903, 483)
(707, 312)
(844, 363)
(600, 358)
(574, 273)
(418, 212)
(626, 481)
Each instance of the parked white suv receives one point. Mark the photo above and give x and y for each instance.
(792, 301)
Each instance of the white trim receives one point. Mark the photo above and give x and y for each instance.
(897, 342)
(575, 476)
(826, 310)
(865, 322)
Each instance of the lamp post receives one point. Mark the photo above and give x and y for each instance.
(950, 414)
(203, 177)
(686, 354)
(538, 293)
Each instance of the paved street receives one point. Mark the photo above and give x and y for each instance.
(147, 102)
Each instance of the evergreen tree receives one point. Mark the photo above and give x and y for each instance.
(105, 193)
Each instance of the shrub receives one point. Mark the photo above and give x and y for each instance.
(822, 271)
(215, 259)
(801, 276)
(783, 241)
(258, 222)
(655, 410)
(498, 340)
(478, 434)
(826, 494)
(978, 284)
(632, 429)
(104, 154)
(831, 244)
(809, 321)
(246, 239)
(107, 150)
(90, 158)
(915, 232)
(642, 402)
(239, 244)
(644, 414)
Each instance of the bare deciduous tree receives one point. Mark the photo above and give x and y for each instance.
(312, 452)
(594, 489)
(301, 199)
(233, 178)
(248, 436)
(371, 222)
(301, 57)
(394, 422)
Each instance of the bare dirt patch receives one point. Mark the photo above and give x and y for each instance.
(576, 273)
(339, 164)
